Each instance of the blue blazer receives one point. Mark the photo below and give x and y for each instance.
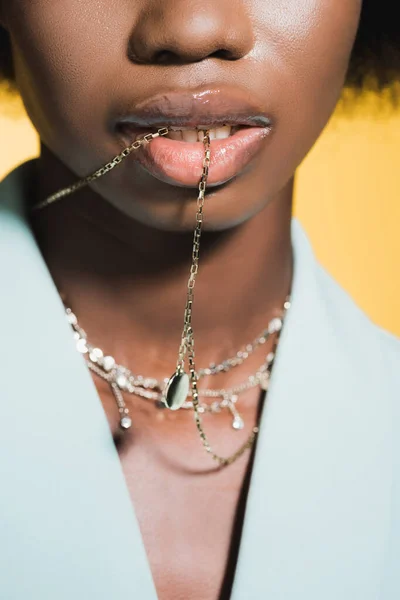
(323, 514)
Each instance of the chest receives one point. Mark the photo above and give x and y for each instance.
(190, 525)
(189, 531)
(189, 512)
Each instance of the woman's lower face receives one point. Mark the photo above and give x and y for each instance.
(263, 76)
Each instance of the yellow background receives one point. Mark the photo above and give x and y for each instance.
(347, 197)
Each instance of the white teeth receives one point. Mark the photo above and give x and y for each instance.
(223, 132)
(189, 135)
(197, 135)
(175, 135)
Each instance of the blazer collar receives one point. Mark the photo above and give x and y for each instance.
(309, 503)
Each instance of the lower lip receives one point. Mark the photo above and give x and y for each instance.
(180, 163)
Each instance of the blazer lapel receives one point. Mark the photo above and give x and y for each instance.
(318, 510)
(80, 537)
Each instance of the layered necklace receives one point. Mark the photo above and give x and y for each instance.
(180, 390)
(122, 380)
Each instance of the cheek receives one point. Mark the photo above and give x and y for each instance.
(301, 35)
(60, 51)
(318, 52)
(308, 44)
(321, 63)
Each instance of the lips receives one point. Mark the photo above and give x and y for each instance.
(239, 130)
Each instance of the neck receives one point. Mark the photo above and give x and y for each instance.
(127, 282)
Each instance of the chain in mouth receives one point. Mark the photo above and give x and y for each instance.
(183, 134)
(197, 135)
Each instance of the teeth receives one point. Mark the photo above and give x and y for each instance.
(222, 132)
(197, 135)
(175, 135)
(189, 135)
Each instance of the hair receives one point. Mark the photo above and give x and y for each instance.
(374, 63)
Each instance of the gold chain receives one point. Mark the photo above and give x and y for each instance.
(187, 343)
(187, 339)
(195, 251)
(103, 170)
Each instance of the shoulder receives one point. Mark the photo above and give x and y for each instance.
(16, 185)
(328, 309)
(371, 349)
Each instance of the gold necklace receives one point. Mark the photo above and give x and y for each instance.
(123, 380)
(177, 388)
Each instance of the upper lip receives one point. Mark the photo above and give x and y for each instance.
(208, 107)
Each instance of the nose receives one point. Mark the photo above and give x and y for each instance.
(184, 31)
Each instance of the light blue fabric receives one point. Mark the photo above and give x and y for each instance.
(323, 513)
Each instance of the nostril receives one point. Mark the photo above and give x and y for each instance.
(223, 54)
(165, 57)
(169, 57)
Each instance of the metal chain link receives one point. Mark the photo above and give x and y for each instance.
(187, 342)
(194, 268)
(103, 170)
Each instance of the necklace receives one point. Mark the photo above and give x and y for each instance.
(123, 380)
(176, 389)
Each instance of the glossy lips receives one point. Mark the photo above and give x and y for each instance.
(179, 162)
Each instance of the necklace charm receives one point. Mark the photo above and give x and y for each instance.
(237, 422)
(125, 420)
(176, 390)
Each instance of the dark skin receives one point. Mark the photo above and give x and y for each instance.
(120, 250)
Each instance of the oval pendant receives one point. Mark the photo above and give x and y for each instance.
(176, 391)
